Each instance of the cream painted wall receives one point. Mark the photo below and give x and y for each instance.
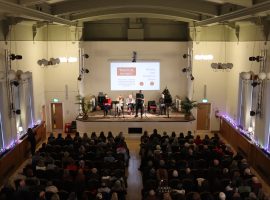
(61, 80)
(215, 81)
(168, 53)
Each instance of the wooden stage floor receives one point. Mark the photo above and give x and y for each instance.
(98, 116)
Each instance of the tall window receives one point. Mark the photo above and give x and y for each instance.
(1, 114)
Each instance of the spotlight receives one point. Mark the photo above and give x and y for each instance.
(191, 77)
(185, 55)
(79, 78)
(15, 83)
(85, 55)
(86, 71)
(252, 113)
(184, 70)
(15, 57)
(254, 83)
(18, 112)
(134, 57)
(257, 58)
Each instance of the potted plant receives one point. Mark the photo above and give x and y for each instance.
(85, 106)
(187, 105)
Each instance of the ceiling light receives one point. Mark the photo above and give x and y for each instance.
(204, 57)
(262, 75)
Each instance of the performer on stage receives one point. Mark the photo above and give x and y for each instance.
(119, 105)
(130, 104)
(139, 103)
(107, 104)
(162, 106)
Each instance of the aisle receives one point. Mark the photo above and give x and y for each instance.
(134, 176)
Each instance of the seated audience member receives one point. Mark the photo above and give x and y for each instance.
(51, 138)
(162, 173)
(68, 139)
(119, 105)
(107, 104)
(130, 102)
(51, 188)
(59, 140)
(77, 137)
(110, 135)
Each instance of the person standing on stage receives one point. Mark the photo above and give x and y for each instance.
(162, 106)
(139, 103)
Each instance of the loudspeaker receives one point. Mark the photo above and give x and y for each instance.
(134, 130)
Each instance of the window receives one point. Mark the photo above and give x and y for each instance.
(2, 144)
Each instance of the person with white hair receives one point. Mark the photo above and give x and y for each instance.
(222, 196)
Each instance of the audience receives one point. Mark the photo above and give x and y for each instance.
(194, 168)
(74, 168)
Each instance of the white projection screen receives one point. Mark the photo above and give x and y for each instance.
(135, 75)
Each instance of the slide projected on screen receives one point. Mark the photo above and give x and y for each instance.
(135, 76)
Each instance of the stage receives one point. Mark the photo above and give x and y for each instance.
(132, 126)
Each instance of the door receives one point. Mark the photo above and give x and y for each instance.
(57, 115)
(203, 116)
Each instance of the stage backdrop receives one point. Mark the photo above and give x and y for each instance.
(101, 54)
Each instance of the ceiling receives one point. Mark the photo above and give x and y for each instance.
(73, 12)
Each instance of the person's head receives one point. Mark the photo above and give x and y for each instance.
(222, 196)
(140, 91)
(106, 96)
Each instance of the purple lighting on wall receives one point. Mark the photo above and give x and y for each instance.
(246, 133)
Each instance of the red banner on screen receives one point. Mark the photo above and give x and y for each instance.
(126, 71)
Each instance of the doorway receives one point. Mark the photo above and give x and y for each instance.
(57, 116)
(203, 116)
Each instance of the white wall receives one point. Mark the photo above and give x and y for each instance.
(60, 77)
(215, 81)
(168, 53)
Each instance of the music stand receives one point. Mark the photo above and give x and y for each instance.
(114, 103)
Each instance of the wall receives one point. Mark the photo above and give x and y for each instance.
(215, 81)
(168, 53)
(61, 80)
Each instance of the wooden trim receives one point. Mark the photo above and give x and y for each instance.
(255, 156)
(15, 157)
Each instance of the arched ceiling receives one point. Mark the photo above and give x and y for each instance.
(72, 12)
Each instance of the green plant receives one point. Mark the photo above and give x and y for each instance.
(187, 105)
(85, 105)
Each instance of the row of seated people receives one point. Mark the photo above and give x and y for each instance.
(74, 168)
(188, 167)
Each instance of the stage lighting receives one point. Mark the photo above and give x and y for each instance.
(86, 71)
(252, 113)
(184, 70)
(185, 55)
(15, 57)
(134, 57)
(15, 83)
(257, 58)
(18, 111)
(79, 78)
(191, 77)
(254, 83)
(85, 55)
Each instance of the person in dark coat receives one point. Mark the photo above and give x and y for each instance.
(31, 137)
